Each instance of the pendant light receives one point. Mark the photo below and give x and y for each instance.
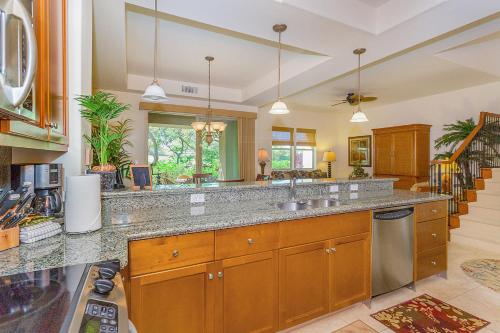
(209, 129)
(154, 92)
(279, 107)
(359, 116)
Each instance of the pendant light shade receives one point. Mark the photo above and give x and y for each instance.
(154, 92)
(359, 116)
(279, 107)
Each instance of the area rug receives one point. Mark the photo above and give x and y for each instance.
(426, 314)
(356, 327)
(484, 271)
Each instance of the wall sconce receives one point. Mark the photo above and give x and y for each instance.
(263, 158)
(329, 157)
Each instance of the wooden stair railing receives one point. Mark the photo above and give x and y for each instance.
(462, 174)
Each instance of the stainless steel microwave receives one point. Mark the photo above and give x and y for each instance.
(18, 60)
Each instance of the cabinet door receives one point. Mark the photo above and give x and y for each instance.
(383, 154)
(404, 153)
(247, 294)
(177, 300)
(350, 270)
(303, 283)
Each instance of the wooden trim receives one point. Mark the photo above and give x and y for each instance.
(184, 109)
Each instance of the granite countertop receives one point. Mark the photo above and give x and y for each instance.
(213, 187)
(111, 242)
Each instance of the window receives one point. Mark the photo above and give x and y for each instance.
(293, 149)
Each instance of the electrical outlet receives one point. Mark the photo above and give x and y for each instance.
(353, 196)
(198, 198)
(353, 187)
(335, 196)
(334, 189)
(197, 210)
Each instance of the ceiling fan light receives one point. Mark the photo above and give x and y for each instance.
(359, 117)
(279, 107)
(155, 93)
(198, 125)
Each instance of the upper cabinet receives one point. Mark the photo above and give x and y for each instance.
(43, 121)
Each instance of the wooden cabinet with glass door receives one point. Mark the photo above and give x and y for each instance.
(48, 100)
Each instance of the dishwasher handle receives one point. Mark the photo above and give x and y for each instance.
(393, 214)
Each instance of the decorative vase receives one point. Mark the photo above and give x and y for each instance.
(108, 176)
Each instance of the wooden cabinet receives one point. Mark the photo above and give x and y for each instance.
(350, 270)
(303, 283)
(247, 294)
(178, 300)
(49, 127)
(431, 230)
(402, 152)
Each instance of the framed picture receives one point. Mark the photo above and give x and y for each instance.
(141, 177)
(360, 150)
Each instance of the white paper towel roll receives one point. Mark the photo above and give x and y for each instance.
(83, 204)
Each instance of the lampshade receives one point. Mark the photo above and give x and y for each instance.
(329, 156)
(359, 117)
(279, 107)
(198, 125)
(155, 93)
(218, 126)
(262, 155)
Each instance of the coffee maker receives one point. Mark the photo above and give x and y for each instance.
(46, 180)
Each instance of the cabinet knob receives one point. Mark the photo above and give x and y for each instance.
(220, 274)
(250, 241)
(175, 253)
(328, 251)
(333, 250)
(434, 235)
(434, 211)
(434, 263)
(210, 276)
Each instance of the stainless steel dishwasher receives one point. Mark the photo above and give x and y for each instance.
(392, 249)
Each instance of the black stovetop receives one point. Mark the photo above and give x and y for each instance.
(39, 301)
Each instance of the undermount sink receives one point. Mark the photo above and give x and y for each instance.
(323, 203)
(292, 206)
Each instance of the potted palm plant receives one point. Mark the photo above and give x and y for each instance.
(107, 139)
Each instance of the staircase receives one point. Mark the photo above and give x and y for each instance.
(472, 177)
(480, 227)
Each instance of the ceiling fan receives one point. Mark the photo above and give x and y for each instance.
(353, 99)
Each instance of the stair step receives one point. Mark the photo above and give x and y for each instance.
(487, 199)
(479, 215)
(477, 230)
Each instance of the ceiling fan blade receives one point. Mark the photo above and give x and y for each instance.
(368, 98)
(344, 102)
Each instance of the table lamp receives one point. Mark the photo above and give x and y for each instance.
(329, 156)
(263, 158)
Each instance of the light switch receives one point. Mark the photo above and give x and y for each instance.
(197, 210)
(353, 187)
(353, 195)
(198, 198)
(334, 189)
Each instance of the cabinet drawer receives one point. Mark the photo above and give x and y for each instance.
(153, 255)
(431, 211)
(431, 262)
(246, 240)
(431, 234)
(322, 228)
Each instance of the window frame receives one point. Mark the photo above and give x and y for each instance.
(295, 146)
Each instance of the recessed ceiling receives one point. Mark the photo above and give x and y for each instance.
(374, 3)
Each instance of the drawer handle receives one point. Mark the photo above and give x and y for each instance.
(434, 211)
(250, 241)
(210, 276)
(175, 253)
(434, 235)
(333, 250)
(220, 275)
(328, 251)
(434, 263)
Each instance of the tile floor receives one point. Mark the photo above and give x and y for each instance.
(458, 290)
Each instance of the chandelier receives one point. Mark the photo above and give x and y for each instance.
(209, 129)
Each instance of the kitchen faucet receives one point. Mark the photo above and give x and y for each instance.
(293, 190)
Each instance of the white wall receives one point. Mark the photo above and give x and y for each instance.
(435, 110)
(299, 117)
